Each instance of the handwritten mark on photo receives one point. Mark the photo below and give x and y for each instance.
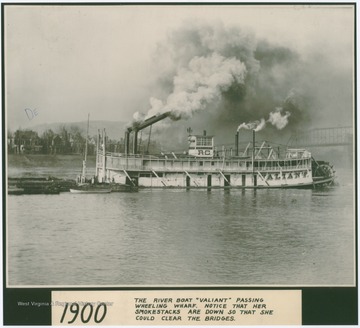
(31, 113)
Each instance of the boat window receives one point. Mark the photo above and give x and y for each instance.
(204, 141)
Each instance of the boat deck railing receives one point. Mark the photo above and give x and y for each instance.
(142, 163)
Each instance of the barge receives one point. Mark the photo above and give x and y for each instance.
(202, 166)
(38, 185)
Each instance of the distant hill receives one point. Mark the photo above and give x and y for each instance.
(114, 130)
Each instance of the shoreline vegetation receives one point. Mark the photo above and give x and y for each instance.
(66, 141)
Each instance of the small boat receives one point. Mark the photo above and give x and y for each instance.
(86, 186)
(83, 186)
(91, 189)
(118, 187)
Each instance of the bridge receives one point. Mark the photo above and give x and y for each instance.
(323, 137)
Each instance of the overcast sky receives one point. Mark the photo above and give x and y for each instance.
(63, 62)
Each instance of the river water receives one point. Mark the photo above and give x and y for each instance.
(184, 237)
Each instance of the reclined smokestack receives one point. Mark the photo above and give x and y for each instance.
(140, 126)
(150, 121)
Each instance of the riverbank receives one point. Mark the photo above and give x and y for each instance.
(59, 166)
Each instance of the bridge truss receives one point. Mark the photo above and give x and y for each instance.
(323, 137)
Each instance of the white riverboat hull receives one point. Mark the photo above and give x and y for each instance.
(89, 191)
(300, 177)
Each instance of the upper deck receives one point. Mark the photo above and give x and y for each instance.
(294, 160)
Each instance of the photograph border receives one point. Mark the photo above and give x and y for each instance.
(321, 305)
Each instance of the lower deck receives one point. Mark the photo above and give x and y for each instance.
(208, 179)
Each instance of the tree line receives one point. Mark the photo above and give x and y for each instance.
(65, 141)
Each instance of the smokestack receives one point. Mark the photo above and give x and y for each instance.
(253, 155)
(135, 142)
(254, 144)
(127, 142)
(237, 143)
(204, 133)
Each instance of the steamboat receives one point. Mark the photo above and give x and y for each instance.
(202, 166)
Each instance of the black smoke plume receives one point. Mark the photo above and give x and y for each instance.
(221, 77)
